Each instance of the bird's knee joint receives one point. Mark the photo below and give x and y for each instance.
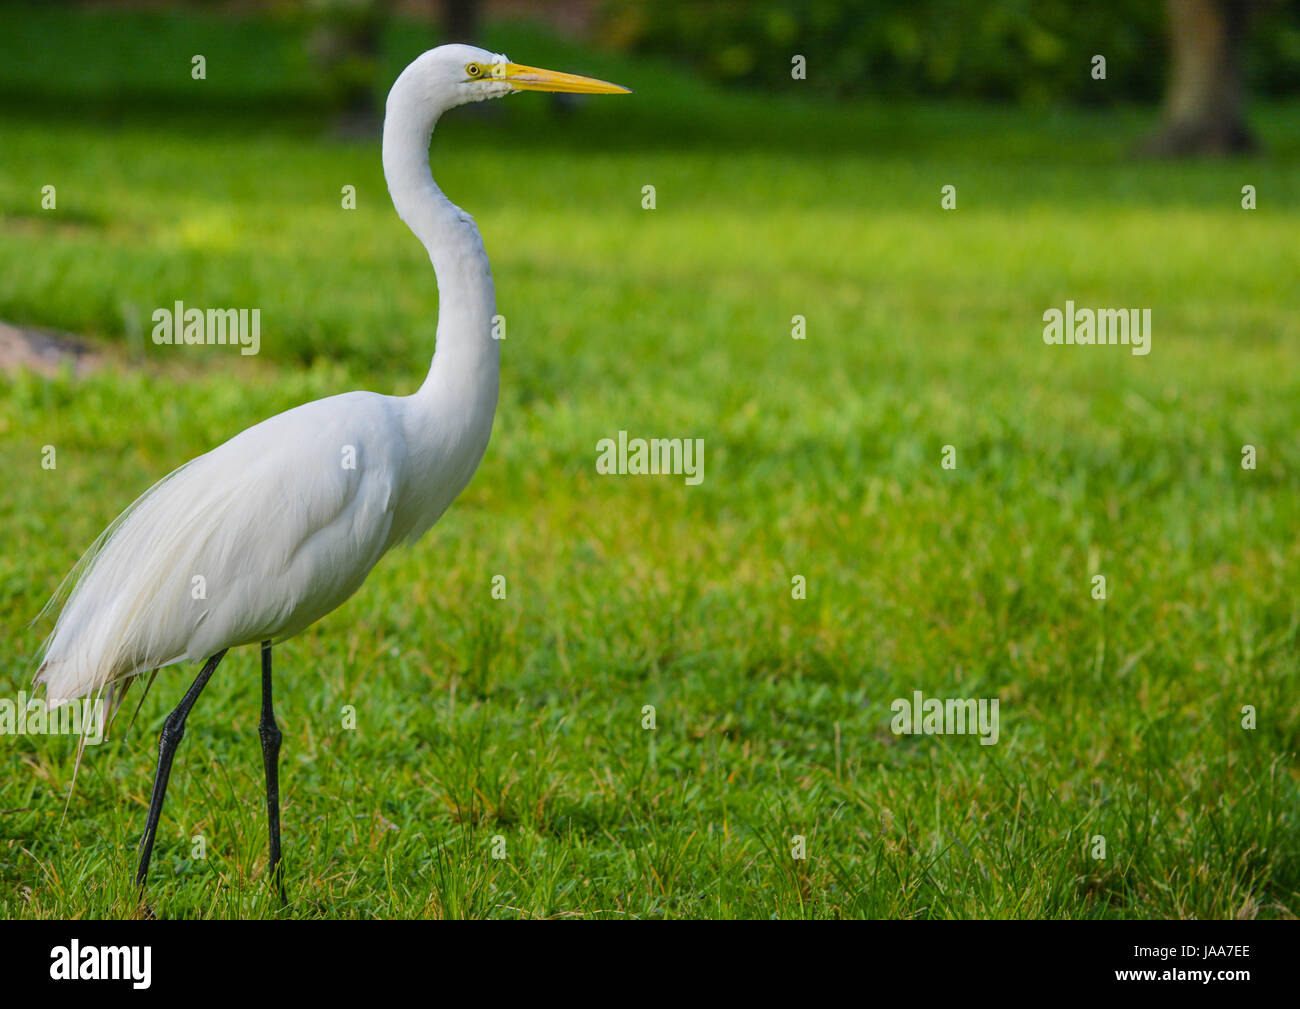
(172, 734)
(270, 734)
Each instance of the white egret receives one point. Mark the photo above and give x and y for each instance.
(283, 522)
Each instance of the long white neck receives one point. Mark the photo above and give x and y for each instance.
(466, 360)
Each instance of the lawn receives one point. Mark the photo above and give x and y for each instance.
(487, 726)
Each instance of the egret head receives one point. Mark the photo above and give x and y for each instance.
(454, 75)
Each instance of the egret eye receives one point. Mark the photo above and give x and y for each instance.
(474, 70)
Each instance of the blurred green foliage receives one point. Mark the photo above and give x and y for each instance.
(1025, 50)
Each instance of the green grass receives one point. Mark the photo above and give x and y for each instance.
(522, 718)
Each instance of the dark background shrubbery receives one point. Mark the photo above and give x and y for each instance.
(1022, 50)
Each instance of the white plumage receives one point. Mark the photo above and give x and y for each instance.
(262, 536)
(270, 531)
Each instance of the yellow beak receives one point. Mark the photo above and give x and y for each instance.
(535, 79)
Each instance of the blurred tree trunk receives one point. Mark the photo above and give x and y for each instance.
(1205, 97)
(460, 21)
(346, 44)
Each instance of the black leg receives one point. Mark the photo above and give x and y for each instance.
(172, 734)
(270, 733)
